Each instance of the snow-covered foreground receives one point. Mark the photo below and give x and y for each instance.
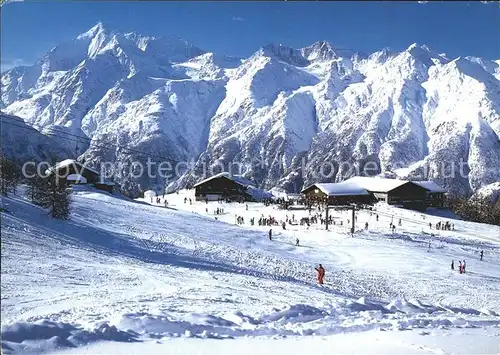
(128, 277)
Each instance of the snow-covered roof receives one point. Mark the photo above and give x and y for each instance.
(341, 189)
(77, 177)
(68, 162)
(376, 184)
(236, 178)
(430, 185)
(258, 194)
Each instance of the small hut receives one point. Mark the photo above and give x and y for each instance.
(149, 195)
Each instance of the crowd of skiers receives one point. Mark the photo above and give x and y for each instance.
(443, 226)
(267, 221)
(218, 211)
(314, 219)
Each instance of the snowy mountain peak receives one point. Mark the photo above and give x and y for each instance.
(426, 55)
(283, 53)
(100, 39)
(382, 56)
(93, 31)
(176, 49)
(320, 50)
(324, 51)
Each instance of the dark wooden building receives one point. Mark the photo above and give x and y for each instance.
(367, 190)
(76, 173)
(337, 194)
(436, 195)
(224, 186)
(393, 191)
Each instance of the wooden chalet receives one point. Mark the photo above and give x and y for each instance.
(225, 186)
(365, 190)
(337, 194)
(76, 173)
(436, 195)
(393, 191)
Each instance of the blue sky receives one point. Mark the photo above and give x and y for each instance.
(29, 29)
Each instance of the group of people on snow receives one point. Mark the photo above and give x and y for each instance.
(219, 210)
(318, 217)
(443, 226)
(461, 266)
(267, 221)
(240, 220)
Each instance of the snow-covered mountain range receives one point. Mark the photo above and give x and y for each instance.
(282, 113)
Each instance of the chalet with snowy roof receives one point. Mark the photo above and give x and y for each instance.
(337, 194)
(364, 190)
(393, 191)
(436, 195)
(225, 186)
(75, 173)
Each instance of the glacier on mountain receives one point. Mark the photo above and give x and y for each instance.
(285, 117)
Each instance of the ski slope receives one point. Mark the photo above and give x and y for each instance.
(128, 277)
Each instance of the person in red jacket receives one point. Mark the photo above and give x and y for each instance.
(321, 274)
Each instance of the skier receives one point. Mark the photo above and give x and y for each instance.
(270, 234)
(376, 217)
(482, 255)
(283, 225)
(459, 266)
(399, 223)
(321, 273)
(463, 267)
(246, 206)
(429, 249)
(166, 203)
(452, 265)
(366, 225)
(297, 242)
(430, 225)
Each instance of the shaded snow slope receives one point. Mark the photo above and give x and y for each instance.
(21, 143)
(280, 114)
(128, 272)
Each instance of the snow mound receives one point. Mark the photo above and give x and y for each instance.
(47, 336)
(294, 320)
